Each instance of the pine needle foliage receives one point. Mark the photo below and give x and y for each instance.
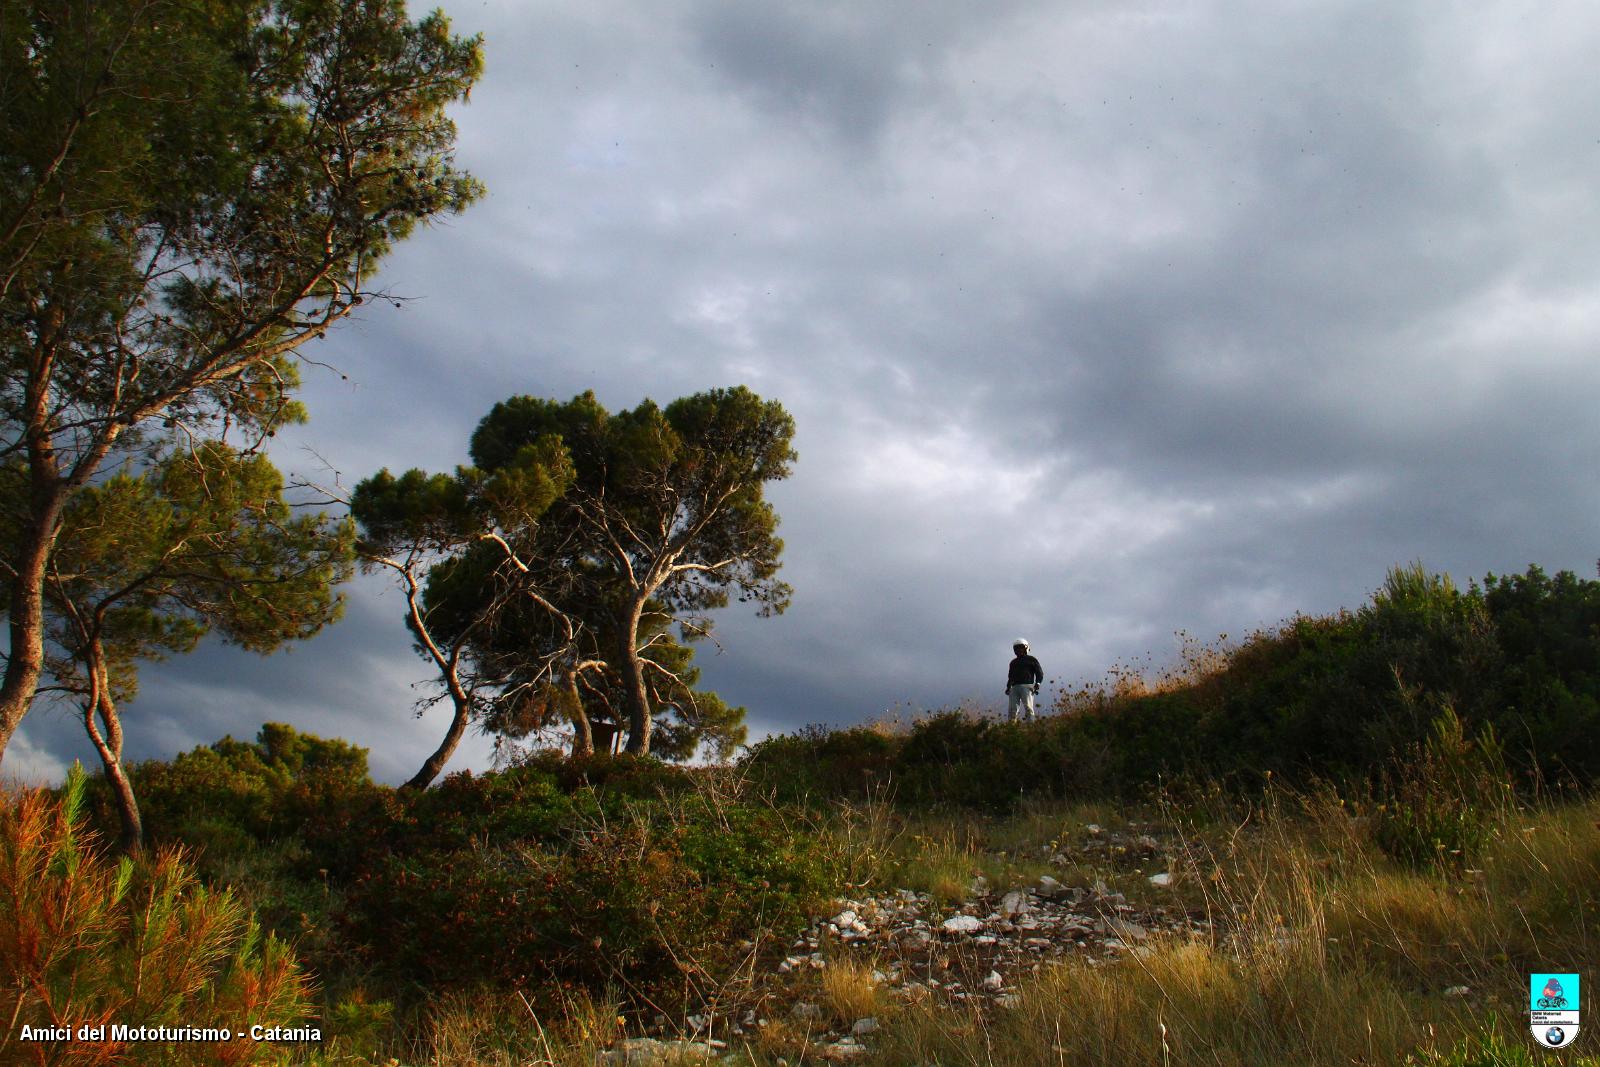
(85, 941)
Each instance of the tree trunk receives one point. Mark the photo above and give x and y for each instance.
(633, 688)
(109, 746)
(582, 733)
(450, 668)
(121, 787)
(30, 557)
(25, 661)
(441, 755)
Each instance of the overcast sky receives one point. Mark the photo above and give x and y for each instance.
(1099, 322)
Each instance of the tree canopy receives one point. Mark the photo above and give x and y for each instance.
(191, 190)
(587, 610)
(669, 509)
(475, 526)
(149, 561)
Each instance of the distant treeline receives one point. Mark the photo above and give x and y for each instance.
(1349, 697)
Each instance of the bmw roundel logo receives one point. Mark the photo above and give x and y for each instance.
(1555, 1036)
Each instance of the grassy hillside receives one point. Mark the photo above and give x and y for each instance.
(1348, 840)
(1344, 697)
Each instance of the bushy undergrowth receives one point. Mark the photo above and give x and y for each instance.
(628, 874)
(87, 941)
(664, 898)
(1440, 803)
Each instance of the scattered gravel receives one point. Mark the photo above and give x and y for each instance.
(974, 957)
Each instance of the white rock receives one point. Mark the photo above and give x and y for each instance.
(962, 924)
(648, 1052)
(1161, 879)
(994, 982)
(1457, 991)
(806, 1011)
(1014, 903)
(697, 1023)
(868, 1025)
(843, 1051)
(1049, 888)
(1093, 827)
(845, 920)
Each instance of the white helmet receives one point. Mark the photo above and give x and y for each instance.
(1021, 642)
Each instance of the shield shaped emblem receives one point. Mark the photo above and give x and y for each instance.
(1553, 1008)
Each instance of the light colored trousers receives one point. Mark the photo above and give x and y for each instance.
(1020, 696)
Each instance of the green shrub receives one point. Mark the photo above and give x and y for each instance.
(818, 763)
(518, 804)
(91, 942)
(1548, 629)
(223, 797)
(624, 774)
(650, 895)
(1444, 799)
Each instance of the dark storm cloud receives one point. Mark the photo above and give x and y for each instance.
(804, 68)
(1098, 322)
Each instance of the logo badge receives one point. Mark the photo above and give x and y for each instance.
(1553, 1009)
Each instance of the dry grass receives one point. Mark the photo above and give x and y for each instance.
(1181, 1004)
(849, 990)
(1324, 952)
(1413, 927)
(943, 855)
(505, 1029)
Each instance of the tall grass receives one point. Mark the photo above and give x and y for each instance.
(1324, 950)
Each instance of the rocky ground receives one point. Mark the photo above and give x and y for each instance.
(972, 953)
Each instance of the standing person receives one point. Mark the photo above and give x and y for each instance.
(1022, 682)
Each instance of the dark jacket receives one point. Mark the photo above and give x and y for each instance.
(1025, 670)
